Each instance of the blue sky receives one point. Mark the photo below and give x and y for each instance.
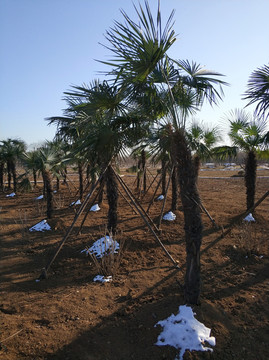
(48, 45)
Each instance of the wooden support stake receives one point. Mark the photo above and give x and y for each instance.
(44, 273)
(140, 210)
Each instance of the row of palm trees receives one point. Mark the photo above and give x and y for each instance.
(146, 104)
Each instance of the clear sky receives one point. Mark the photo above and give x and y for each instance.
(48, 45)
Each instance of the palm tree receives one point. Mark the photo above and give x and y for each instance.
(12, 151)
(249, 135)
(47, 160)
(142, 66)
(31, 161)
(105, 128)
(258, 91)
(202, 142)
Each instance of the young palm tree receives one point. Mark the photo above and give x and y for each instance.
(142, 66)
(47, 160)
(249, 135)
(258, 91)
(12, 151)
(31, 161)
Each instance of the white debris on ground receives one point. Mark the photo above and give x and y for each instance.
(102, 279)
(184, 332)
(161, 197)
(39, 197)
(102, 247)
(11, 195)
(78, 202)
(170, 216)
(95, 208)
(249, 218)
(41, 226)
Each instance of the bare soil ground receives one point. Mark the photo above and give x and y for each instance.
(68, 316)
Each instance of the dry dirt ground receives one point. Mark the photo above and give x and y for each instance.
(68, 316)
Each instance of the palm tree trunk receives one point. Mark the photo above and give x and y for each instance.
(250, 178)
(163, 174)
(174, 189)
(34, 176)
(2, 176)
(143, 163)
(14, 175)
(9, 174)
(112, 197)
(49, 192)
(192, 217)
(80, 174)
(196, 164)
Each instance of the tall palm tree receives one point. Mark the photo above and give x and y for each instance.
(105, 128)
(258, 91)
(12, 151)
(247, 134)
(142, 66)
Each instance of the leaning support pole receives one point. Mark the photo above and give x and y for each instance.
(154, 178)
(130, 194)
(202, 207)
(44, 272)
(241, 217)
(165, 196)
(87, 212)
(153, 197)
(140, 210)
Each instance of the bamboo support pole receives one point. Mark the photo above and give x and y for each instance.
(153, 197)
(140, 210)
(44, 272)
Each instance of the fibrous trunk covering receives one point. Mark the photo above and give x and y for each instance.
(112, 198)
(49, 192)
(143, 161)
(80, 174)
(192, 217)
(250, 178)
(174, 189)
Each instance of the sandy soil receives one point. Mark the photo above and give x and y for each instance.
(68, 316)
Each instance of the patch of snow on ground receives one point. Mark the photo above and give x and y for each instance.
(102, 247)
(249, 218)
(161, 197)
(39, 197)
(95, 208)
(102, 279)
(78, 202)
(11, 195)
(184, 332)
(169, 216)
(41, 226)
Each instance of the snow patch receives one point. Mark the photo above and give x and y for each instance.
(249, 218)
(105, 245)
(95, 208)
(184, 332)
(102, 279)
(78, 202)
(39, 197)
(11, 195)
(41, 226)
(169, 216)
